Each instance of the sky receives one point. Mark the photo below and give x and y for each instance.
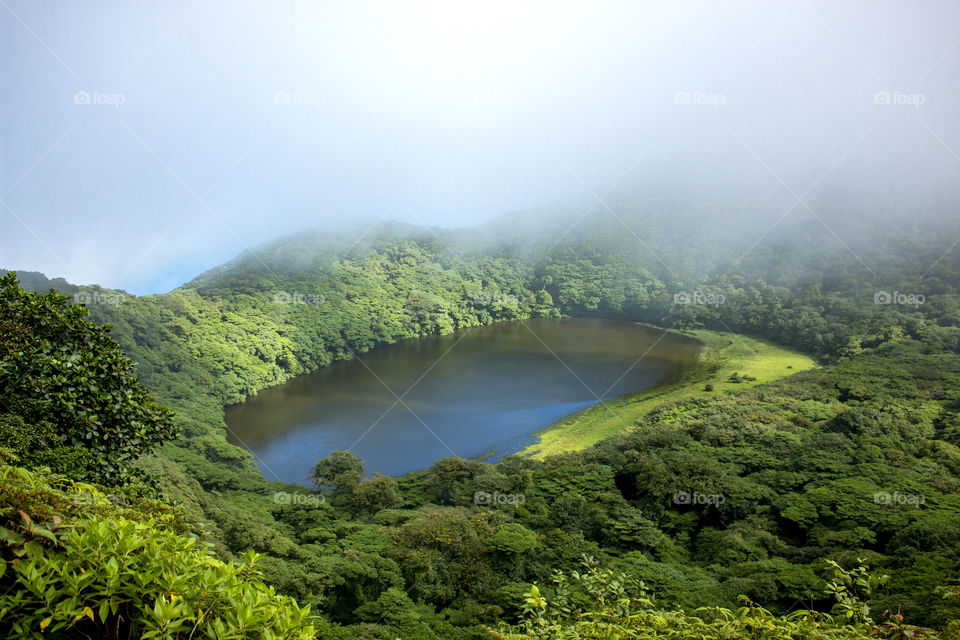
(144, 142)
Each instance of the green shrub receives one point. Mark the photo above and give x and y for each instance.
(60, 370)
(600, 604)
(117, 578)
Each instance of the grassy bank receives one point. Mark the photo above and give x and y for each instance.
(722, 355)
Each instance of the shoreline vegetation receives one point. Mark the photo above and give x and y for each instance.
(722, 355)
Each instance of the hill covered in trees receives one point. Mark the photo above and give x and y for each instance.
(704, 500)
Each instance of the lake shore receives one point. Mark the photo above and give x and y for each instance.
(722, 354)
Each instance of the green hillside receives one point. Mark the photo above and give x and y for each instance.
(751, 489)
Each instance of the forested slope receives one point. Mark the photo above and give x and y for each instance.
(735, 494)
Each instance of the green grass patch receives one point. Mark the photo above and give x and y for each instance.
(722, 356)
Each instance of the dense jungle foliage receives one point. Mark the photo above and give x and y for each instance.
(826, 504)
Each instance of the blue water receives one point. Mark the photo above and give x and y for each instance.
(483, 390)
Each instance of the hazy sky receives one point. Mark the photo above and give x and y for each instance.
(144, 142)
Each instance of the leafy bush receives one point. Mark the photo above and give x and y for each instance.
(59, 369)
(110, 576)
(600, 604)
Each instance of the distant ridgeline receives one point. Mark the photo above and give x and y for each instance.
(36, 281)
(856, 461)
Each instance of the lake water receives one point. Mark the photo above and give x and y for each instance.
(480, 391)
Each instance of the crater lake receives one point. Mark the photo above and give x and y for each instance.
(480, 392)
